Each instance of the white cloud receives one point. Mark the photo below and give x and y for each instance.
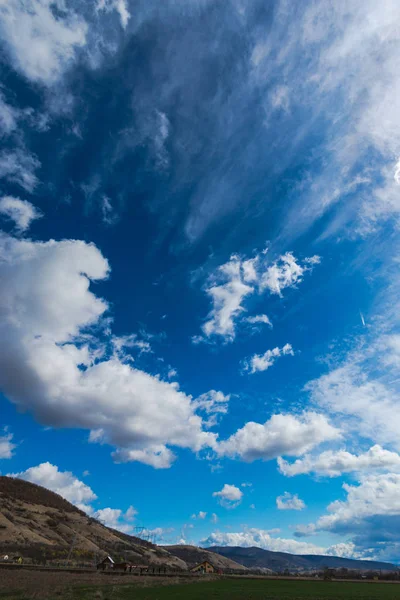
(370, 514)
(40, 44)
(229, 285)
(285, 272)
(258, 320)
(262, 362)
(344, 58)
(120, 6)
(47, 365)
(19, 166)
(200, 515)
(227, 300)
(335, 463)
(172, 373)
(63, 483)
(6, 446)
(230, 496)
(107, 211)
(214, 518)
(116, 518)
(289, 502)
(261, 539)
(212, 403)
(375, 495)
(21, 212)
(280, 435)
(122, 342)
(363, 400)
(8, 116)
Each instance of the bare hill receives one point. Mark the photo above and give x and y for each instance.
(192, 555)
(42, 526)
(281, 561)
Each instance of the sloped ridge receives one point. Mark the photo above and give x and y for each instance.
(42, 526)
(31, 493)
(192, 555)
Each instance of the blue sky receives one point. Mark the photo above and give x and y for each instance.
(199, 258)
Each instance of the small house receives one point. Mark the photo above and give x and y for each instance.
(204, 567)
(106, 563)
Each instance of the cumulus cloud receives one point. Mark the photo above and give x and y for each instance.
(262, 362)
(285, 272)
(63, 483)
(200, 515)
(334, 463)
(19, 166)
(370, 515)
(21, 212)
(116, 518)
(239, 278)
(230, 496)
(40, 42)
(289, 501)
(52, 367)
(6, 445)
(280, 435)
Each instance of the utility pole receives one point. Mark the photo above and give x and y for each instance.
(71, 548)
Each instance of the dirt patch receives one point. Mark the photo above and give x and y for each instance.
(41, 584)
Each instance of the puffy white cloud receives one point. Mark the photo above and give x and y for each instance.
(262, 362)
(200, 515)
(41, 43)
(50, 367)
(262, 539)
(6, 445)
(19, 166)
(334, 463)
(229, 285)
(289, 501)
(230, 496)
(375, 495)
(227, 300)
(63, 483)
(280, 435)
(370, 514)
(285, 272)
(116, 518)
(21, 212)
(118, 5)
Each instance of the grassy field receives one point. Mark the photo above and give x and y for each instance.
(227, 589)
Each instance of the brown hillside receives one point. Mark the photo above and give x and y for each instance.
(42, 526)
(192, 555)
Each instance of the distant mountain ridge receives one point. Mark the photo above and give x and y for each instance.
(193, 555)
(258, 558)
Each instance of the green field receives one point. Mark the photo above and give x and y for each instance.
(227, 589)
(250, 589)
